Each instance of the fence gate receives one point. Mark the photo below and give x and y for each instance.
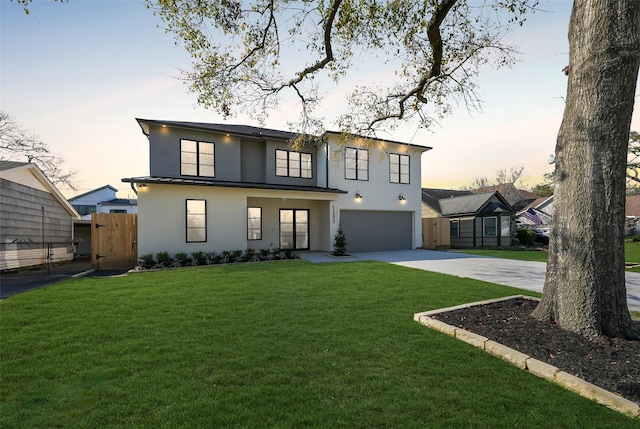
(435, 233)
(114, 241)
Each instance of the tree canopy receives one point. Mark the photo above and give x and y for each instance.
(246, 55)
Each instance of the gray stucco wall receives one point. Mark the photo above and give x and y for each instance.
(21, 215)
(164, 152)
(236, 159)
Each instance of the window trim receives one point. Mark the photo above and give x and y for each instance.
(457, 222)
(508, 222)
(299, 162)
(249, 229)
(400, 157)
(198, 163)
(484, 228)
(186, 221)
(358, 168)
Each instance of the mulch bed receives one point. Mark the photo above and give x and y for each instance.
(610, 363)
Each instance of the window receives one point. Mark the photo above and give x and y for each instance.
(398, 168)
(84, 209)
(196, 221)
(254, 223)
(356, 164)
(294, 229)
(117, 211)
(454, 230)
(490, 227)
(505, 227)
(197, 158)
(293, 164)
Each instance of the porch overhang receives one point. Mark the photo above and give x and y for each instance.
(227, 184)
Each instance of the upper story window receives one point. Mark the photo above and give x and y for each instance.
(293, 164)
(356, 163)
(398, 168)
(197, 158)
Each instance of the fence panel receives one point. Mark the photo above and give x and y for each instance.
(114, 241)
(435, 233)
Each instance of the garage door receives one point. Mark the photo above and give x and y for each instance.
(368, 231)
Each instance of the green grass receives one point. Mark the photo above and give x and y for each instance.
(266, 345)
(631, 252)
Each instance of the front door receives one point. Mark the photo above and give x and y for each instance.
(294, 229)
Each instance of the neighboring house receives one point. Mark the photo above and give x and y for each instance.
(102, 200)
(216, 187)
(475, 220)
(33, 212)
(518, 199)
(538, 213)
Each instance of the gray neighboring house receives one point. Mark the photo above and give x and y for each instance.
(476, 220)
(32, 210)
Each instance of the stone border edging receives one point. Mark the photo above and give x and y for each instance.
(525, 362)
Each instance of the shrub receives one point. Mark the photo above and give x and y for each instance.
(198, 258)
(275, 253)
(182, 259)
(212, 258)
(227, 257)
(339, 243)
(264, 254)
(164, 259)
(146, 261)
(526, 236)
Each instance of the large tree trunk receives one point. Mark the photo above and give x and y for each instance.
(585, 288)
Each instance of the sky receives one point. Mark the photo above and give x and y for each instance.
(77, 75)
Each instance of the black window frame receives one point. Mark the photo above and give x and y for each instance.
(249, 228)
(308, 211)
(186, 221)
(358, 167)
(199, 155)
(400, 174)
(291, 164)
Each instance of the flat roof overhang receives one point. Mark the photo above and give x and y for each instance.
(229, 184)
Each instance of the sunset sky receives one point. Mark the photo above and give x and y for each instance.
(77, 74)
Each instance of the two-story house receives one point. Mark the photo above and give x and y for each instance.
(215, 187)
(102, 200)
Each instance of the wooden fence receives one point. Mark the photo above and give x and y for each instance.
(435, 233)
(114, 241)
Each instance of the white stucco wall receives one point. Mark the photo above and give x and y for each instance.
(377, 192)
(162, 224)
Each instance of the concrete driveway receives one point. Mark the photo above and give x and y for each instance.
(526, 275)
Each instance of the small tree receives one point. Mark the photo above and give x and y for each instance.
(339, 243)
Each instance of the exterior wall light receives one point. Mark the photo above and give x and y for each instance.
(401, 198)
(142, 185)
(358, 196)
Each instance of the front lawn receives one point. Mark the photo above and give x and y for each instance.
(265, 345)
(631, 253)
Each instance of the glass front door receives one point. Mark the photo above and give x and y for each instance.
(294, 229)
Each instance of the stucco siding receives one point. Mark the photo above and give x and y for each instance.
(378, 194)
(164, 152)
(162, 226)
